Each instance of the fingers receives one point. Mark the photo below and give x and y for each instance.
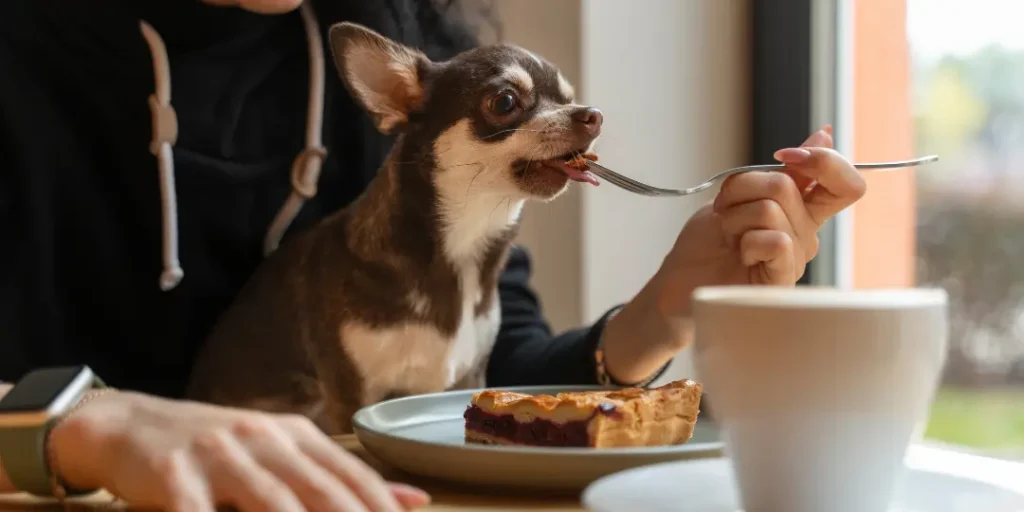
(751, 186)
(237, 479)
(760, 214)
(821, 139)
(184, 488)
(837, 183)
(316, 488)
(766, 200)
(366, 483)
(280, 463)
(821, 178)
(408, 496)
(772, 218)
(769, 256)
(762, 234)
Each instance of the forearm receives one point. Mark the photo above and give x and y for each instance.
(642, 337)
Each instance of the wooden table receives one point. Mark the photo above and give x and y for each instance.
(450, 498)
(446, 498)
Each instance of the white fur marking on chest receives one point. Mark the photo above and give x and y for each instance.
(417, 358)
(475, 335)
(409, 357)
(477, 202)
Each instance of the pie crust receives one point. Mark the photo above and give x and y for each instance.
(597, 419)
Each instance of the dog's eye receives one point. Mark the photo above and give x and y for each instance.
(504, 103)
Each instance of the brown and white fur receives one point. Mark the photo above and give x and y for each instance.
(397, 293)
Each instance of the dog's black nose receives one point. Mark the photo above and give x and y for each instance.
(591, 118)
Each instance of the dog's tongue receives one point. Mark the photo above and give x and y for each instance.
(574, 173)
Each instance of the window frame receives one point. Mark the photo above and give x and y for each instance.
(802, 70)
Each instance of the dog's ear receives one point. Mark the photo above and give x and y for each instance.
(384, 76)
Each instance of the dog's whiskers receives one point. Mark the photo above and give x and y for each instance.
(422, 157)
(507, 201)
(465, 201)
(442, 169)
(502, 132)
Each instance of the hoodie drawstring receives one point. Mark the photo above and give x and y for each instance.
(305, 170)
(165, 134)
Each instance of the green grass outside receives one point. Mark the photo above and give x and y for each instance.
(990, 420)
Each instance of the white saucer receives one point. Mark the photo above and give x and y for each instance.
(707, 486)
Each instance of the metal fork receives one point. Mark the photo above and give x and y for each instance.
(644, 189)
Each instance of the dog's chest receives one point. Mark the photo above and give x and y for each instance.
(419, 357)
(477, 330)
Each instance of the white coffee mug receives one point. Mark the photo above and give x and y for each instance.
(818, 391)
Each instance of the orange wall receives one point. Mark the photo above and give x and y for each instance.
(883, 221)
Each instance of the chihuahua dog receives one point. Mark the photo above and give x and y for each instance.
(396, 294)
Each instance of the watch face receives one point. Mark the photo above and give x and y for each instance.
(39, 388)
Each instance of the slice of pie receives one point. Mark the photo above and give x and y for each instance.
(596, 419)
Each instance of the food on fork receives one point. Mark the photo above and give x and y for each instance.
(597, 419)
(575, 166)
(578, 161)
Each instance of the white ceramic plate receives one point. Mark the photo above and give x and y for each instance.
(423, 435)
(708, 486)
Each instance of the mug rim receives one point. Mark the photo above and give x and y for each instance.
(820, 297)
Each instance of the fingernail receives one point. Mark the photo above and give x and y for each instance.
(817, 138)
(410, 497)
(792, 155)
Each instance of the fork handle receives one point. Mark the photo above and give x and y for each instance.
(867, 166)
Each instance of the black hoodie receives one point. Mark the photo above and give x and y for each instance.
(80, 204)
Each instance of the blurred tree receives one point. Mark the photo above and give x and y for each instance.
(970, 110)
(951, 111)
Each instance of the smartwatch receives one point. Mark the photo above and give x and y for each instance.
(27, 413)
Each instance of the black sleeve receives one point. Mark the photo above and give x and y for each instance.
(12, 301)
(526, 353)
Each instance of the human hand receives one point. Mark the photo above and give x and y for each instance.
(187, 456)
(761, 229)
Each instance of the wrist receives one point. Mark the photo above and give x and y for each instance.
(642, 337)
(660, 315)
(78, 440)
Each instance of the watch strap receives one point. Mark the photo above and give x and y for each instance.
(27, 446)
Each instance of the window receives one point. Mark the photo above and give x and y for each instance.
(946, 77)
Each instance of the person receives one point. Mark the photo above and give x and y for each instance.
(81, 209)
